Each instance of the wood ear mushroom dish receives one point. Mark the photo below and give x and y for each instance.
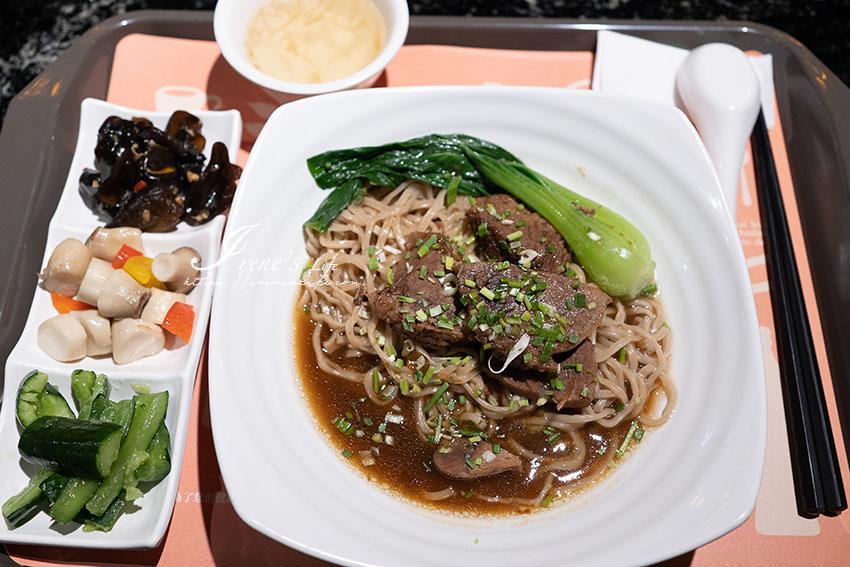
(506, 345)
(153, 179)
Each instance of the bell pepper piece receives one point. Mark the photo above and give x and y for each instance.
(125, 253)
(66, 304)
(180, 320)
(140, 268)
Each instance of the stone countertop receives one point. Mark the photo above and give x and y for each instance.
(36, 32)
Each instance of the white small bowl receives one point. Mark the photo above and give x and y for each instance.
(231, 21)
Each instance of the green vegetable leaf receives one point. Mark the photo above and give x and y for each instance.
(437, 159)
(347, 193)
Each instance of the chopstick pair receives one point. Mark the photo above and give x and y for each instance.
(817, 478)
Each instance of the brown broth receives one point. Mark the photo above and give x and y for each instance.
(406, 468)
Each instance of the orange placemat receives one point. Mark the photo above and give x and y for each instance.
(158, 73)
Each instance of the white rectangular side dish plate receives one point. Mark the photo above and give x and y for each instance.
(173, 369)
(689, 482)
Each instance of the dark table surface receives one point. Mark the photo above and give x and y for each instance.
(35, 32)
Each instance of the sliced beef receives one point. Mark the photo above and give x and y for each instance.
(556, 313)
(459, 460)
(415, 304)
(501, 216)
(579, 378)
(567, 390)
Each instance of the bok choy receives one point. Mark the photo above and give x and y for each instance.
(614, 253)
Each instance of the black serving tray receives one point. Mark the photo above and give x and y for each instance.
(39, 133)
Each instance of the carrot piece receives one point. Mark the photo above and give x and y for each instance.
(67, 304)
(139, 186)
(140, 268)
(180, 320)
(123, 255)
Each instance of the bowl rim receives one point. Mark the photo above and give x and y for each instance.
(226, 38)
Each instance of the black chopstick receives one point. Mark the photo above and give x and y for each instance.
(817, 478)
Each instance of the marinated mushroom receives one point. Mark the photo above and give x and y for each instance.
(178, 270)
(159, 304)
(122, 296)
(62, 338)
(453, 460)
(186, 141)
(98, 332)
(104, 243)
(96, 274)
(213, 192)
(114, 137)
(66, 267)
(156, 207)
(119, 187)
(133, 339)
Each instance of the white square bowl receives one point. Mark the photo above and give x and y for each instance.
(691, 481)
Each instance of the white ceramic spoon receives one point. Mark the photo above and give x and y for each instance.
(719, 89)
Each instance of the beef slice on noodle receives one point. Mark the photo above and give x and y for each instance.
(459, 460)
(415, 304)
(496, 217)
(556, 312)
(575, 385)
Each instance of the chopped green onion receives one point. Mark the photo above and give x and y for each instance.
(451, 190)
(621, 357)
(389, 275)
(581, 300)
(649, 290)
(428, 374)
(421, 315)
(376, 380)
(344, 425)
(621, 451)
(373, 263)
(435, 398)
(514, 236)
(405, 299)
(521, 223)
(346, 453)
(469, 283)
(487, 293)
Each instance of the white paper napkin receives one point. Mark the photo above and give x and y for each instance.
(639, 67)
